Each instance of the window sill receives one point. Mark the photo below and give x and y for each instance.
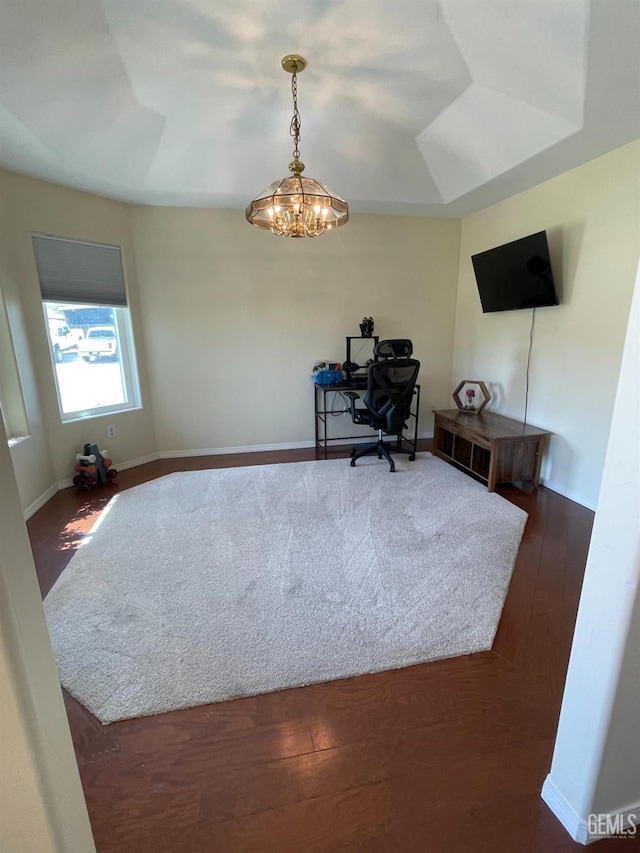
(107, 411)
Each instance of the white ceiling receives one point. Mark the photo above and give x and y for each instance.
(433, 107)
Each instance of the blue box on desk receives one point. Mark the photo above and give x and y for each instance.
(328, 377)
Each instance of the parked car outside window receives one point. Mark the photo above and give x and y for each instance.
(99, 342)
(63, 340)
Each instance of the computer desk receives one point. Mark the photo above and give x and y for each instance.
(339, 406)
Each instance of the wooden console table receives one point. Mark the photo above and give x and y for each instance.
(489, 447)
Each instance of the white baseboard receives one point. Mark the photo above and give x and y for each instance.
(579, 829)
(257, 448)
(576, 827)
(67, 483)
(141, 460)
(221, 451)
(121, 466)
(41, 501)
(178, 454)
(567, 493)
(64, 484)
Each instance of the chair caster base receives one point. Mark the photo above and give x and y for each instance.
(382, 451)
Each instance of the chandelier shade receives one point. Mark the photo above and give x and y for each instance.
(295, 206)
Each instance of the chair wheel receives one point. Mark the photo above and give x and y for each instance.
(412, 458)
(392, 469)
(353, 463)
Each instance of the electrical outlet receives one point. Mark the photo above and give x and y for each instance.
(111, 432)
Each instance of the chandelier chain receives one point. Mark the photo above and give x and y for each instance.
(294, 130)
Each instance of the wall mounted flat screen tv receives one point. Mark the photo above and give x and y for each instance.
(516, 275)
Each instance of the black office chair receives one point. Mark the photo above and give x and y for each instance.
(390, 385)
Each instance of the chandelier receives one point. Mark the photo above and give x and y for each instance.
(297, 206)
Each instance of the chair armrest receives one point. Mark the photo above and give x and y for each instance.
(352, 396)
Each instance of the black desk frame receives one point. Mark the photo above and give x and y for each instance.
(322, 417)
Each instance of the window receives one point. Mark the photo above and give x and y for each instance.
(88, 326)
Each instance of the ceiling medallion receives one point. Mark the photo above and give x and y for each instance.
(297, 206)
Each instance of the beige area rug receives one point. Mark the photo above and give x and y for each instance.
(207, 585)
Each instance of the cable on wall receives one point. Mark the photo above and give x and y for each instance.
(526, 394)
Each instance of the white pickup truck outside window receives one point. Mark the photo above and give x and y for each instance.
(93, 359)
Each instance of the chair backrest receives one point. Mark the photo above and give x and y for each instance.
(390, 384)
(394, 348)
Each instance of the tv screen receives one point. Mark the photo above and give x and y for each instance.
(516, 275)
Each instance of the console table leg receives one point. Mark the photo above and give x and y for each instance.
(536, 474)
(493, 470)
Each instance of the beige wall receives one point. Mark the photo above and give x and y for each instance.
(228, 320)
(29, 206)
(592, 217)
(235, 318)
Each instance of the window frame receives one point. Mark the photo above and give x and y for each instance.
(126, 360)
(89, 274)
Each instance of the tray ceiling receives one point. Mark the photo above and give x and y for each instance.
(418, 107)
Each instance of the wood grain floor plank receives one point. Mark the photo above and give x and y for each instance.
(447, 756)
(420, 775)
(119, 809)
(543, 659)
(463, 784)
(216, 751)
(499, 704)
(270, 786)
(311, 826)
(515, 824)
(511, 637)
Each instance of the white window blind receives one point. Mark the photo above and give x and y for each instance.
(84, 273)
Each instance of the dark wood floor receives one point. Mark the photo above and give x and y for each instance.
(444, 756)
